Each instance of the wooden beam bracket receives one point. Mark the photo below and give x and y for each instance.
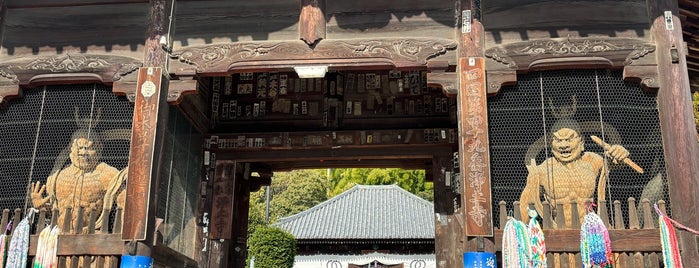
(448, 82)
(312, 21)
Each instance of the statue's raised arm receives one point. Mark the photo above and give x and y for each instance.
(531, 191)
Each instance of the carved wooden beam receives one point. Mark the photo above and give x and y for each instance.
(496, 79)
(438, 77)
(403, 52)
(312, 21)
(448, 82)
(176, 91)
(61, 69)
(405, 148)
(646, 75)
(537, 54)
(358, 162)
(276, 141)
(503, 62)
(184, 95)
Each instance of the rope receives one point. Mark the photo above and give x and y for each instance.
(549, 168)
(89, 132)
(674, 222)
(668, 239)
(36, 145)
(604, 136)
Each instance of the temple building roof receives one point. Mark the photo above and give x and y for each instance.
(365, 212)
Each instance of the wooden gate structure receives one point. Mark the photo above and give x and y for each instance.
(292, 84)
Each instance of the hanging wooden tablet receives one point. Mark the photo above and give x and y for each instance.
(228, 86)
(357, 108)
(385, 87)
(361, 82)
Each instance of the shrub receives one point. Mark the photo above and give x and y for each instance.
(272, 247)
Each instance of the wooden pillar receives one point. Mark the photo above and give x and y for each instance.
(677, 124)
(149, 124)
(3, 16)
(312, 21)
(241, 204)
(447, 228)
(474, 152)
(222, 212)
(8, 87)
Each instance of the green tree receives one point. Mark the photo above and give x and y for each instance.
(296, 191)
(291, 192)
(256, 214)
(272, 248)
(411, 180)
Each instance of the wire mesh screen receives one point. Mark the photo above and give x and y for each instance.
(37, 140)
(179, 184)
(525, 129)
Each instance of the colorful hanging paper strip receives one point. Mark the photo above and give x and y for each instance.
(595, 246)
(516, 249)
(538, 247)
(668, 240)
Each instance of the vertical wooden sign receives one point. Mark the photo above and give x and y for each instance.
(222, 203)
(142, 153)
(474, 154)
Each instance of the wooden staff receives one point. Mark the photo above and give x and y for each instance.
(626, 161)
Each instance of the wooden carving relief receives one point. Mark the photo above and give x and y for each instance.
(26, 71)
(221, 58)
(506, 60)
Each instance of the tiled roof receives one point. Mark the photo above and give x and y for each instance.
(365, 212)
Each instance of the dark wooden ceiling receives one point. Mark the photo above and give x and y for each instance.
(689, 13)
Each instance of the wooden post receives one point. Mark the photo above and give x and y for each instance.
(3, 15)
(474, 153)
(147, 137)
(447, 231)
(222, 212)
(677, 123)
(241, 203)
(8, 88)
(312, 21)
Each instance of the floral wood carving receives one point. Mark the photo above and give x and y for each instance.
(500, 55)
(6, 72)
(617, 51)
(65, 64)
(568, 46)
(506, 60)
(639, 51)
(23, 71)
(109, 68)
(399, 52)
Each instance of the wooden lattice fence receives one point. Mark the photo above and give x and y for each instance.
(635, 243)
(91, 245)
